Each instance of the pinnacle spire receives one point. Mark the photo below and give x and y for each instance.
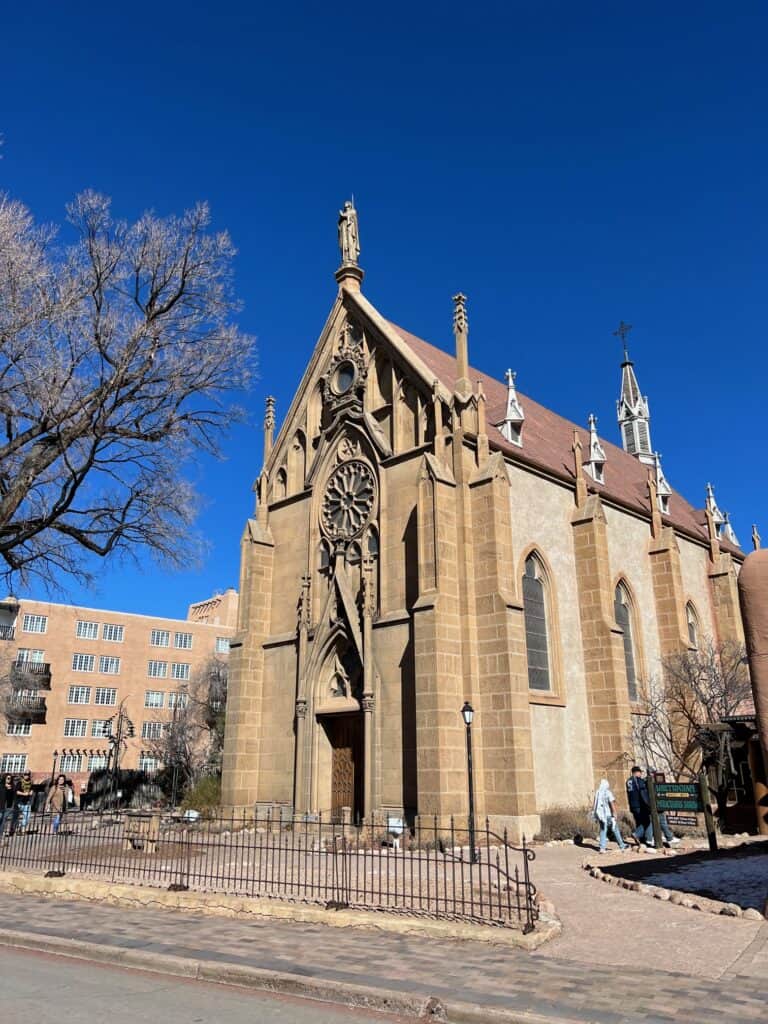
(595, 464)
(514, 417)
(632, 408)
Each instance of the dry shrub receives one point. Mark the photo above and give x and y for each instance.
(574, 821)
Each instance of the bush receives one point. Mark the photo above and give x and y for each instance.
(570, 822)
(205, 796)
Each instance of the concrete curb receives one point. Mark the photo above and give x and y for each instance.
(420, 1007)
(91, 890)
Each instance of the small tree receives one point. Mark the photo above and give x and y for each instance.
(193, 740)
(696, 691)
(117, 352)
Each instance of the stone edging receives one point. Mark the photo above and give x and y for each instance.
(689, 900)
(249, 907)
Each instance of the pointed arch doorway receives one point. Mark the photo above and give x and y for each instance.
(347, 742)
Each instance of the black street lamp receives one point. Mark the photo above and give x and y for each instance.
(53, 766)
(468, 713)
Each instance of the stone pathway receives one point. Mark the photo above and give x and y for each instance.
(622, 959)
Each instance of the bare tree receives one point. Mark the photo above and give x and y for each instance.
(696, 690)
(116, 354)
(193, 741)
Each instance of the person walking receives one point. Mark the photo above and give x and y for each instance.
(56, 802)
(24, 794)
(640, 805)
(7, 800)
(604, 813)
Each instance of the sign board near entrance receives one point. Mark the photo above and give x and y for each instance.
(682, 819)
(678, 796)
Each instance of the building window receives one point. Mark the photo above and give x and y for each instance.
(622, 609)
(160, 638)
(157, 669)
(177, 699)
(154, 699)
(35, 624)
(112, 632)
(108, 665)
(75, 727)
(87, 630)
(13, 763)
(101, 727)
(97, 763)
(151, 730)
(222, 645)
(23, 728)
(180, 670)
(70, 763)
(79, 695)
(26, 656)
(536, 627)
(693, 625)
(147, 763)
(182, 641)
(83, 662)
(106, 696)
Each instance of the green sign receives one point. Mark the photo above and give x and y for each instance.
(678, 796)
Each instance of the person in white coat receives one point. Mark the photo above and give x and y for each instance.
(604, 813)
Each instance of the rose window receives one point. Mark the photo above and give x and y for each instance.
(348, 501)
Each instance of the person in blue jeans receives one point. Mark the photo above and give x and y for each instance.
(640, 805)
(24, 796)
(604, 813)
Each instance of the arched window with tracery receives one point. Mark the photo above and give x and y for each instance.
(281, 485)
(692, 619)
(624, 613)
(537, 625)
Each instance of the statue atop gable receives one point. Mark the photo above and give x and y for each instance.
(349, 235)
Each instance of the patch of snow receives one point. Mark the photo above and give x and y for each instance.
(741, 881)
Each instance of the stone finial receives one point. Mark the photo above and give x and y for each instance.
(461, 334)
(514, 417)
(656, 509)
(578, 470)
(595, 464)
(755, 537)
(269, 427)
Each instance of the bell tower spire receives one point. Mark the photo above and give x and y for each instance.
(632, 407)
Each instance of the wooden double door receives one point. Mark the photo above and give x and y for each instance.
(345, 733)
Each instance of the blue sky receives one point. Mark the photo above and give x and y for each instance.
(565, 165)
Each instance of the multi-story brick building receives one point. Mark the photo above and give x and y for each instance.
(426, 535)
(67, 671)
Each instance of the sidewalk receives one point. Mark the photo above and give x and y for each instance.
(621, 959)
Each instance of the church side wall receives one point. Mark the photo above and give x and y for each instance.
(628, 540)
(694, 565)
(289, 524)
(277, 739)
(541, 514)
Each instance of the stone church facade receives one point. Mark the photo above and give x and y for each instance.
(426, 535)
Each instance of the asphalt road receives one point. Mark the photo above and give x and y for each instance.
(36, 988)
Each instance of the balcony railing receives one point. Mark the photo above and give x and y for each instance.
(35, 674)
(7, 632)
(25, 705)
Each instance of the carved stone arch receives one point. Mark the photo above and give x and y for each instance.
(297, 462)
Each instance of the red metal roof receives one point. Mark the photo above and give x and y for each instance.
(548, 440)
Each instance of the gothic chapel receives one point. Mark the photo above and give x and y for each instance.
(424, 535)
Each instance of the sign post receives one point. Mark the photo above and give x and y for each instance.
(709, 818)
(658, 838)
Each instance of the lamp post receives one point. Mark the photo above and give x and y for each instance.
(53, 766)
(468, 713)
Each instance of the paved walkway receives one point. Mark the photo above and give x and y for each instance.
(622, 958)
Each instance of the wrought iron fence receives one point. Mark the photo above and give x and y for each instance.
(428, 870)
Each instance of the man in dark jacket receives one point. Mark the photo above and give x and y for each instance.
(640, 805)
(7, 801)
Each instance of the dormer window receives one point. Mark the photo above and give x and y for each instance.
(664, 504)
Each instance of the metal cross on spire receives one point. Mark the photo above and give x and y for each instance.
(622, 331)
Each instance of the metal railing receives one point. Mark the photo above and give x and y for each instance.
(31, 673)
(424, 871)
(7, 632)
(24, 705)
